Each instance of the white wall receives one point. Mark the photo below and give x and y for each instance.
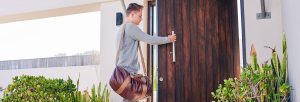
(263, 32)
(107, 42)
(107, 39)
(291, 24)
(88, 75)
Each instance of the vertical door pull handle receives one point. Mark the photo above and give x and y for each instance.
(173, 49)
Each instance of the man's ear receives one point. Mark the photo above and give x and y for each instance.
(131, 14)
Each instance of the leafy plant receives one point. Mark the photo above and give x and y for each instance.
(31, 88)
(38, 88)
(265, 83)
(95, 97)
(1, 89)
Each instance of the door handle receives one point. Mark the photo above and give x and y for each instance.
(161, 79)
(173, 52)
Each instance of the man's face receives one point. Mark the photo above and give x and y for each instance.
(137, 17)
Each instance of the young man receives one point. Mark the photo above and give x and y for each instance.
(128, 56)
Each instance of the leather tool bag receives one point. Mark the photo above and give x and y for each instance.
(132, 87)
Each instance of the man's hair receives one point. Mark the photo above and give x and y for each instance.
(133, 7)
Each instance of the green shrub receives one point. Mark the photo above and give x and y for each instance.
(39, 89)
(265, 83)
(31, 88)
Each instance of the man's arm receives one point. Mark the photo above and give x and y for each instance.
(135, 33)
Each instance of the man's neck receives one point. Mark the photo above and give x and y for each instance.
(130, 21)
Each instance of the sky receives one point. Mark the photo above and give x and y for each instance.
(71, 34)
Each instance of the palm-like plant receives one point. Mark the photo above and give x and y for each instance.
(265, 83)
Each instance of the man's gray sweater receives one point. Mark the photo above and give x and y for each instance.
(128, 55)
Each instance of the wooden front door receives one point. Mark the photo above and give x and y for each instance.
(207, 48)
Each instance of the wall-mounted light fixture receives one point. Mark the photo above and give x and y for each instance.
(119, 18)
(263, 14)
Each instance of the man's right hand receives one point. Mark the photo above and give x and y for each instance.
(172, 37)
